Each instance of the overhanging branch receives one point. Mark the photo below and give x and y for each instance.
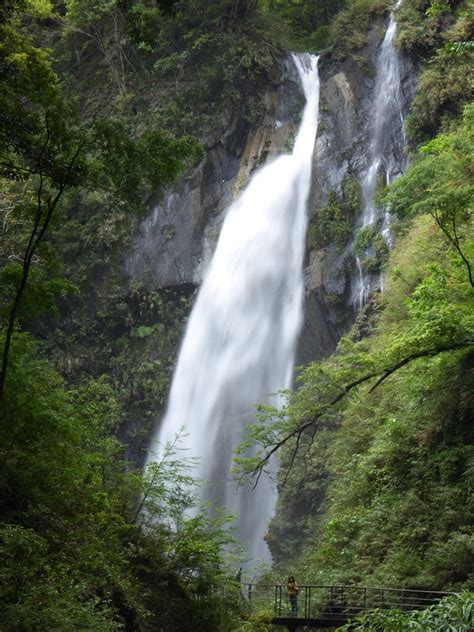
(382, 375)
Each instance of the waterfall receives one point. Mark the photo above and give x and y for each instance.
(386, 153)
(240, 340)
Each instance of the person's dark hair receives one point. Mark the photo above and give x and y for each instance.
(291, 579)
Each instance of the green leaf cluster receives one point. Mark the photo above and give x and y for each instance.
(440, 35)
(48, 150)
(335, 220)
(209, 55)
(370, 247)
(440, 183)
(350, 29)
(76, 553)
(305, 24)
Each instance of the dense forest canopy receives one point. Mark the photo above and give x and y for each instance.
(102, 105)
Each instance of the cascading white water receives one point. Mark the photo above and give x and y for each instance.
(387, 149)
(240, 341)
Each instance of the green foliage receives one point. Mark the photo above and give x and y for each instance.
(143, 25)
(452, 614)
(438, 8)
(387, 525)
(378, 438)
(210, 55)
(82, 12)
(305, 24)
(442, 37)
(38, 133)
(332, 224)
(318, 24)
(440, 183)
(370, 246)
(336, 218)
(418, 32)
(128, 164)
(260, 621)
(46, 472)
(74, 554)
(300, 495)
(364, 238)
(348, 32)
(442, 93)
(129, 333)
(37, 597)
(386, 477)
(203, 59)
(50, 149)
(143, 357)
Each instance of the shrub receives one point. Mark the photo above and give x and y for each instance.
(452, 614)
(335, 219)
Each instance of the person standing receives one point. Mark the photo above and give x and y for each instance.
(293, 590)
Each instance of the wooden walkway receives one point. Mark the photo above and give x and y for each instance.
(322, 606)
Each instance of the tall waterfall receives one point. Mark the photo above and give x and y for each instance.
(240, 341)
(387, 151)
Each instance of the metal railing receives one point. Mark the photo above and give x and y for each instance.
(336, 603)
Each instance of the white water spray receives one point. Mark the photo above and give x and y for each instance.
(387, 144)
(240, 341)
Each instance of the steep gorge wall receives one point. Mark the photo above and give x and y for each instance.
(175, 242)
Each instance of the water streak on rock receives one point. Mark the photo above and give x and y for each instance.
(387, 154)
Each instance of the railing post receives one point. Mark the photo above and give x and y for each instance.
(249, 595)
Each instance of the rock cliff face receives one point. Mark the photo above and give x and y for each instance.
(174, 243)
(341, 153)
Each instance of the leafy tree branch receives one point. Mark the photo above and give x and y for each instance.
(43, 216)
(256, 468)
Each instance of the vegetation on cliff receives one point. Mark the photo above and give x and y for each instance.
(95, 98)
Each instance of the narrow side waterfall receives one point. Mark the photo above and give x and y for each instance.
(240, 341)
(387, 154)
